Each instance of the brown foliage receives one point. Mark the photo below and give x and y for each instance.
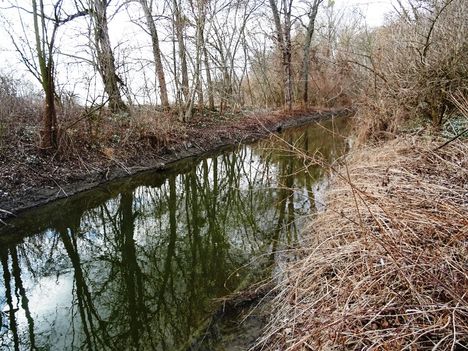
(412, 66)
(385, 267)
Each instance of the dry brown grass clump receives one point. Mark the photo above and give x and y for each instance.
(386, 267)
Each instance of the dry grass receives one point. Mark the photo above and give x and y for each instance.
(386, 267)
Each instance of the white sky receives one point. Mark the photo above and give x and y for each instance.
(374, 11)
(127, 34)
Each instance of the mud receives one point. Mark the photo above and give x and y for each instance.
(209, 141)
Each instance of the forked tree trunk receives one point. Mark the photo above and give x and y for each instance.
(283, 38)
(156, 54)
(306, 55)
(105, 56)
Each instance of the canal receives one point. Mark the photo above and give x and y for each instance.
(141, 263)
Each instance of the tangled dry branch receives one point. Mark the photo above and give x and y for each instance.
(386, 267)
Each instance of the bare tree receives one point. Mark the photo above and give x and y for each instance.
(226, 40)
(38, 57)
(147, 9)
(197, 84)
(283, 38)
(105, 55)
(206, 61)
(312, 15)
(200, 24)
(44, 49)
(179, 23)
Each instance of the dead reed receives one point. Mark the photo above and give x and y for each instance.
(386, 265)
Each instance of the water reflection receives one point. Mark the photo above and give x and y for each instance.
(136, 265)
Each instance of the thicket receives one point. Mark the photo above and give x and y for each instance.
(417, 68)
(384, 266)
(406, 72)
(223, 61)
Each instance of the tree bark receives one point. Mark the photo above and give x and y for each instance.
(287, 4)
(209, 81)
(283, 38)
(179, 27)
(49, 138)
(156, 54)
(178, 90)
(105, 56)
(306, 56)
(198, 64)
(50, 132)
(200, 20)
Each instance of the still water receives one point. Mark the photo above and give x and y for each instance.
(138, 264)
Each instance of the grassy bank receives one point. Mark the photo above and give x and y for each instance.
(385, 266)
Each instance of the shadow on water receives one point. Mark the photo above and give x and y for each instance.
(137, 264)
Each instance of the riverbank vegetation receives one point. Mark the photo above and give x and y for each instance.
(121, 84)
(384, 266)
(98, 61)
(105, 69)
(88, 86)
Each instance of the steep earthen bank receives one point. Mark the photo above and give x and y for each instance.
(25, 184)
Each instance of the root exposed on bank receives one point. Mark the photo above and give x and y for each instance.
(386, 264)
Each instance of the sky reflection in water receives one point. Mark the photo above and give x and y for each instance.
(135, 265)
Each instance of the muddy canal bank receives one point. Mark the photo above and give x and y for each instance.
(24, 186)
(150, 262)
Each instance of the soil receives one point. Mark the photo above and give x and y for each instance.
(29, 180)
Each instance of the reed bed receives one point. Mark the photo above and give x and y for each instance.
(385, 266)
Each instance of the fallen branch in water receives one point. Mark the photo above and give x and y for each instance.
(451, 140)
(244, 298)
(6, 212)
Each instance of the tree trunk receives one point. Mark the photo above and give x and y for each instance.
(283, 37)
(105, 56)
(306, 57)
(179, 27)
(200, 45)
(209, 82)
(156, 54)
(198, 64)
(49, 133)
(287, 4)
(49, 138)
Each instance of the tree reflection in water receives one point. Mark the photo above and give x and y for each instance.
(135, 266)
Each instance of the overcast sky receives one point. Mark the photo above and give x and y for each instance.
(374, 11)
(122, 30)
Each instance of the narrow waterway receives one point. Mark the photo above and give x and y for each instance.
(138, 264)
